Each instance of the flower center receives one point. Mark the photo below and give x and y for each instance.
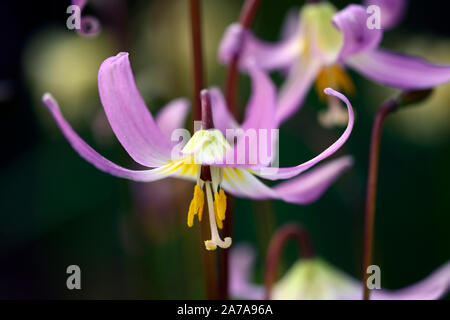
(320, 38)
(204, 148)
(207, 147)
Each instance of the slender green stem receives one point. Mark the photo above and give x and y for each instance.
(198, 75)
(387, 108)
(247, 15)
(280, 238)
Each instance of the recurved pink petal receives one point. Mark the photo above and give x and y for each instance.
(352, 22)
(267, 56)
(392, 11)
(128, 115)
(260, 110)
(286, 173)
(92, 156)
(311, 185)
(292, 94)
(90, 26)
(172, 116)
(398, 70)
(242, 260)
(433, 287)
(302, 190)
(222, 117)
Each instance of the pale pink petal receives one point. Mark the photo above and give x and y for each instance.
(90, 155)
(399, 71)
(305, 189)
(172, 116)
(352, 22)
(242, 259)
(267, 56)
(128, 115)
(286, 173)
(392, 11)
(435, 286)
(222, 117)
(311, 185)
(293, 92)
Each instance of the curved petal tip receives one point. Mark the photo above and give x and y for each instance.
(49, 101)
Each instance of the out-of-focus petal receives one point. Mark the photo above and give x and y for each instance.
(242, 259)
(222, 117)
(399, 71)
(296, 87)
(258, 123)
(172, 116)
(392, 11)
(352, 22)
(302, 190)
(286, 173)
(291, 24)
(90, 155)
(128, 115)
(433, 287)
(90, 26)
(309, 186)
(314, 279)
(260, 111)
(268, 56)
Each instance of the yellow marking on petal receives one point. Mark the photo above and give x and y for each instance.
(196, 206)
(188, 170)
(238, 173)
(225, 174)
(335, 77)
(173, 167)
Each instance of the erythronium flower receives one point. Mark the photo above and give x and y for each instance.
(89, 26)
(148, 142)
(323, 44)
(315, 279)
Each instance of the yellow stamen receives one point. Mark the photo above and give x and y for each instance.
(219, 222)
(196, 206)
(214, 220)
(335, 77)
(220, 204)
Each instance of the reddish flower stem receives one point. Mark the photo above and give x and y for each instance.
(207, 123)
(247, 15)
(197, 55)
(209, 269)
(387, 108)
(276, 246)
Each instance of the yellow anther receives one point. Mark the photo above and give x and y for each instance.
(219, 222)
(220, 204)
(196, 206)
(335, 77)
